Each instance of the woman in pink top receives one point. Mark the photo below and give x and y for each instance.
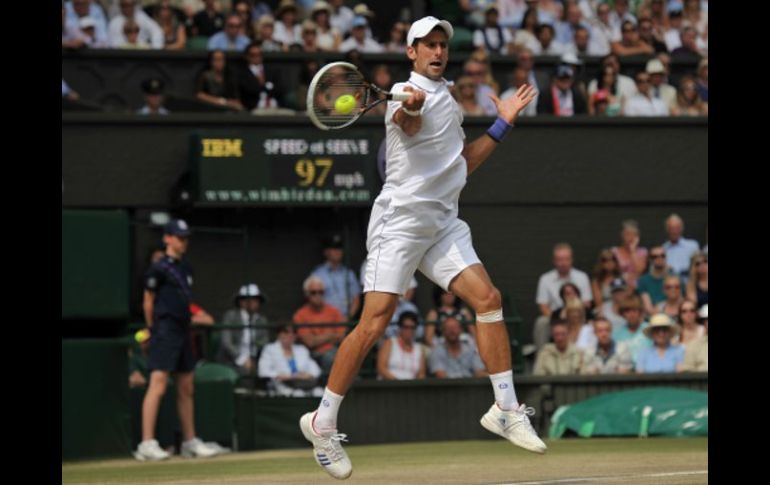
(632, 258)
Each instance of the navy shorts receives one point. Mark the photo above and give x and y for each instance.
(170, 347)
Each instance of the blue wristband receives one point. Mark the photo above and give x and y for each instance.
(499, 129)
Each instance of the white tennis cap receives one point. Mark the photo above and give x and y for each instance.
(422, 27)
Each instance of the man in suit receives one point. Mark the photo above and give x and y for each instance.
(561, 97)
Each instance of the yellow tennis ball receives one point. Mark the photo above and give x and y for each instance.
(345, 104)
(141, 335)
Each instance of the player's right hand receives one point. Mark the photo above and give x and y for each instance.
(415, 101)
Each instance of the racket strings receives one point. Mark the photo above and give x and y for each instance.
(331, 87)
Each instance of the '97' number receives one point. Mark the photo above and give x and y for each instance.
(311, 171)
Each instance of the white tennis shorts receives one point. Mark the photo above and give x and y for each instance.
(400, 241)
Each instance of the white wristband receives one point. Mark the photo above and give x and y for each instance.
(410, 112)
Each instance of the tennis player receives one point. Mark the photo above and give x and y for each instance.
(413, 225)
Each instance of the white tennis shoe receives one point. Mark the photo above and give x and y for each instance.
(327, 450)
(514, 426)
(150, 450)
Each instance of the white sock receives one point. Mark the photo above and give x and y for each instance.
(505, 395)
(326, 416)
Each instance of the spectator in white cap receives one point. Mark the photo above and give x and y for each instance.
(696, 355)
(662, 356)
(358, 40)
(659, 88)
(239, 347)
(87, 26)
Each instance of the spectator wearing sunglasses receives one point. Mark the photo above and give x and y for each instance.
(321, 340)
(689, 329)
(672, 288)
(651, 285)
(231, 38)
(400, 357)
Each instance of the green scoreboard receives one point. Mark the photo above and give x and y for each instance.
(285, 167)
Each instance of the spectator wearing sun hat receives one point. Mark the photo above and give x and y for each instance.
(239, 346)
(662, 356)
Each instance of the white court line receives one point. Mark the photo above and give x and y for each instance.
(613, 478)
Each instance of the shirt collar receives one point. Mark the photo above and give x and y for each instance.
(425, 83)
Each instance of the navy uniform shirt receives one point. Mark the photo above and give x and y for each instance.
(171, 281)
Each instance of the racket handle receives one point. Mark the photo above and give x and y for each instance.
(400, 95)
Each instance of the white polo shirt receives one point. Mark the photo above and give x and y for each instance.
(426, 171)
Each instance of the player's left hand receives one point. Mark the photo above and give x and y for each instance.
(510, 108)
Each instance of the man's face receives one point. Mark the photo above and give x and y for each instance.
(430, 54)
(573, 14)
(603, 332)
(452, 330)
(656, 79)
(491, 18)
(526, 60)
(252, 304)
(562, 260)
(315, 294)
(178, 244)
(127, 8)
(619, 295)
(520, 76)
(688, 39)
(81, 7)
(658, 257)
(333, 255)
(603, 12)
(564, 83)
(254, 55)
(559, 334)
(154, 101)
(545, 36)
(633, 316)
(674, 229)
(233, 27)
(358, 33)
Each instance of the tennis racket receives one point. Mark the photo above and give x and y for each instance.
(340, 79)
